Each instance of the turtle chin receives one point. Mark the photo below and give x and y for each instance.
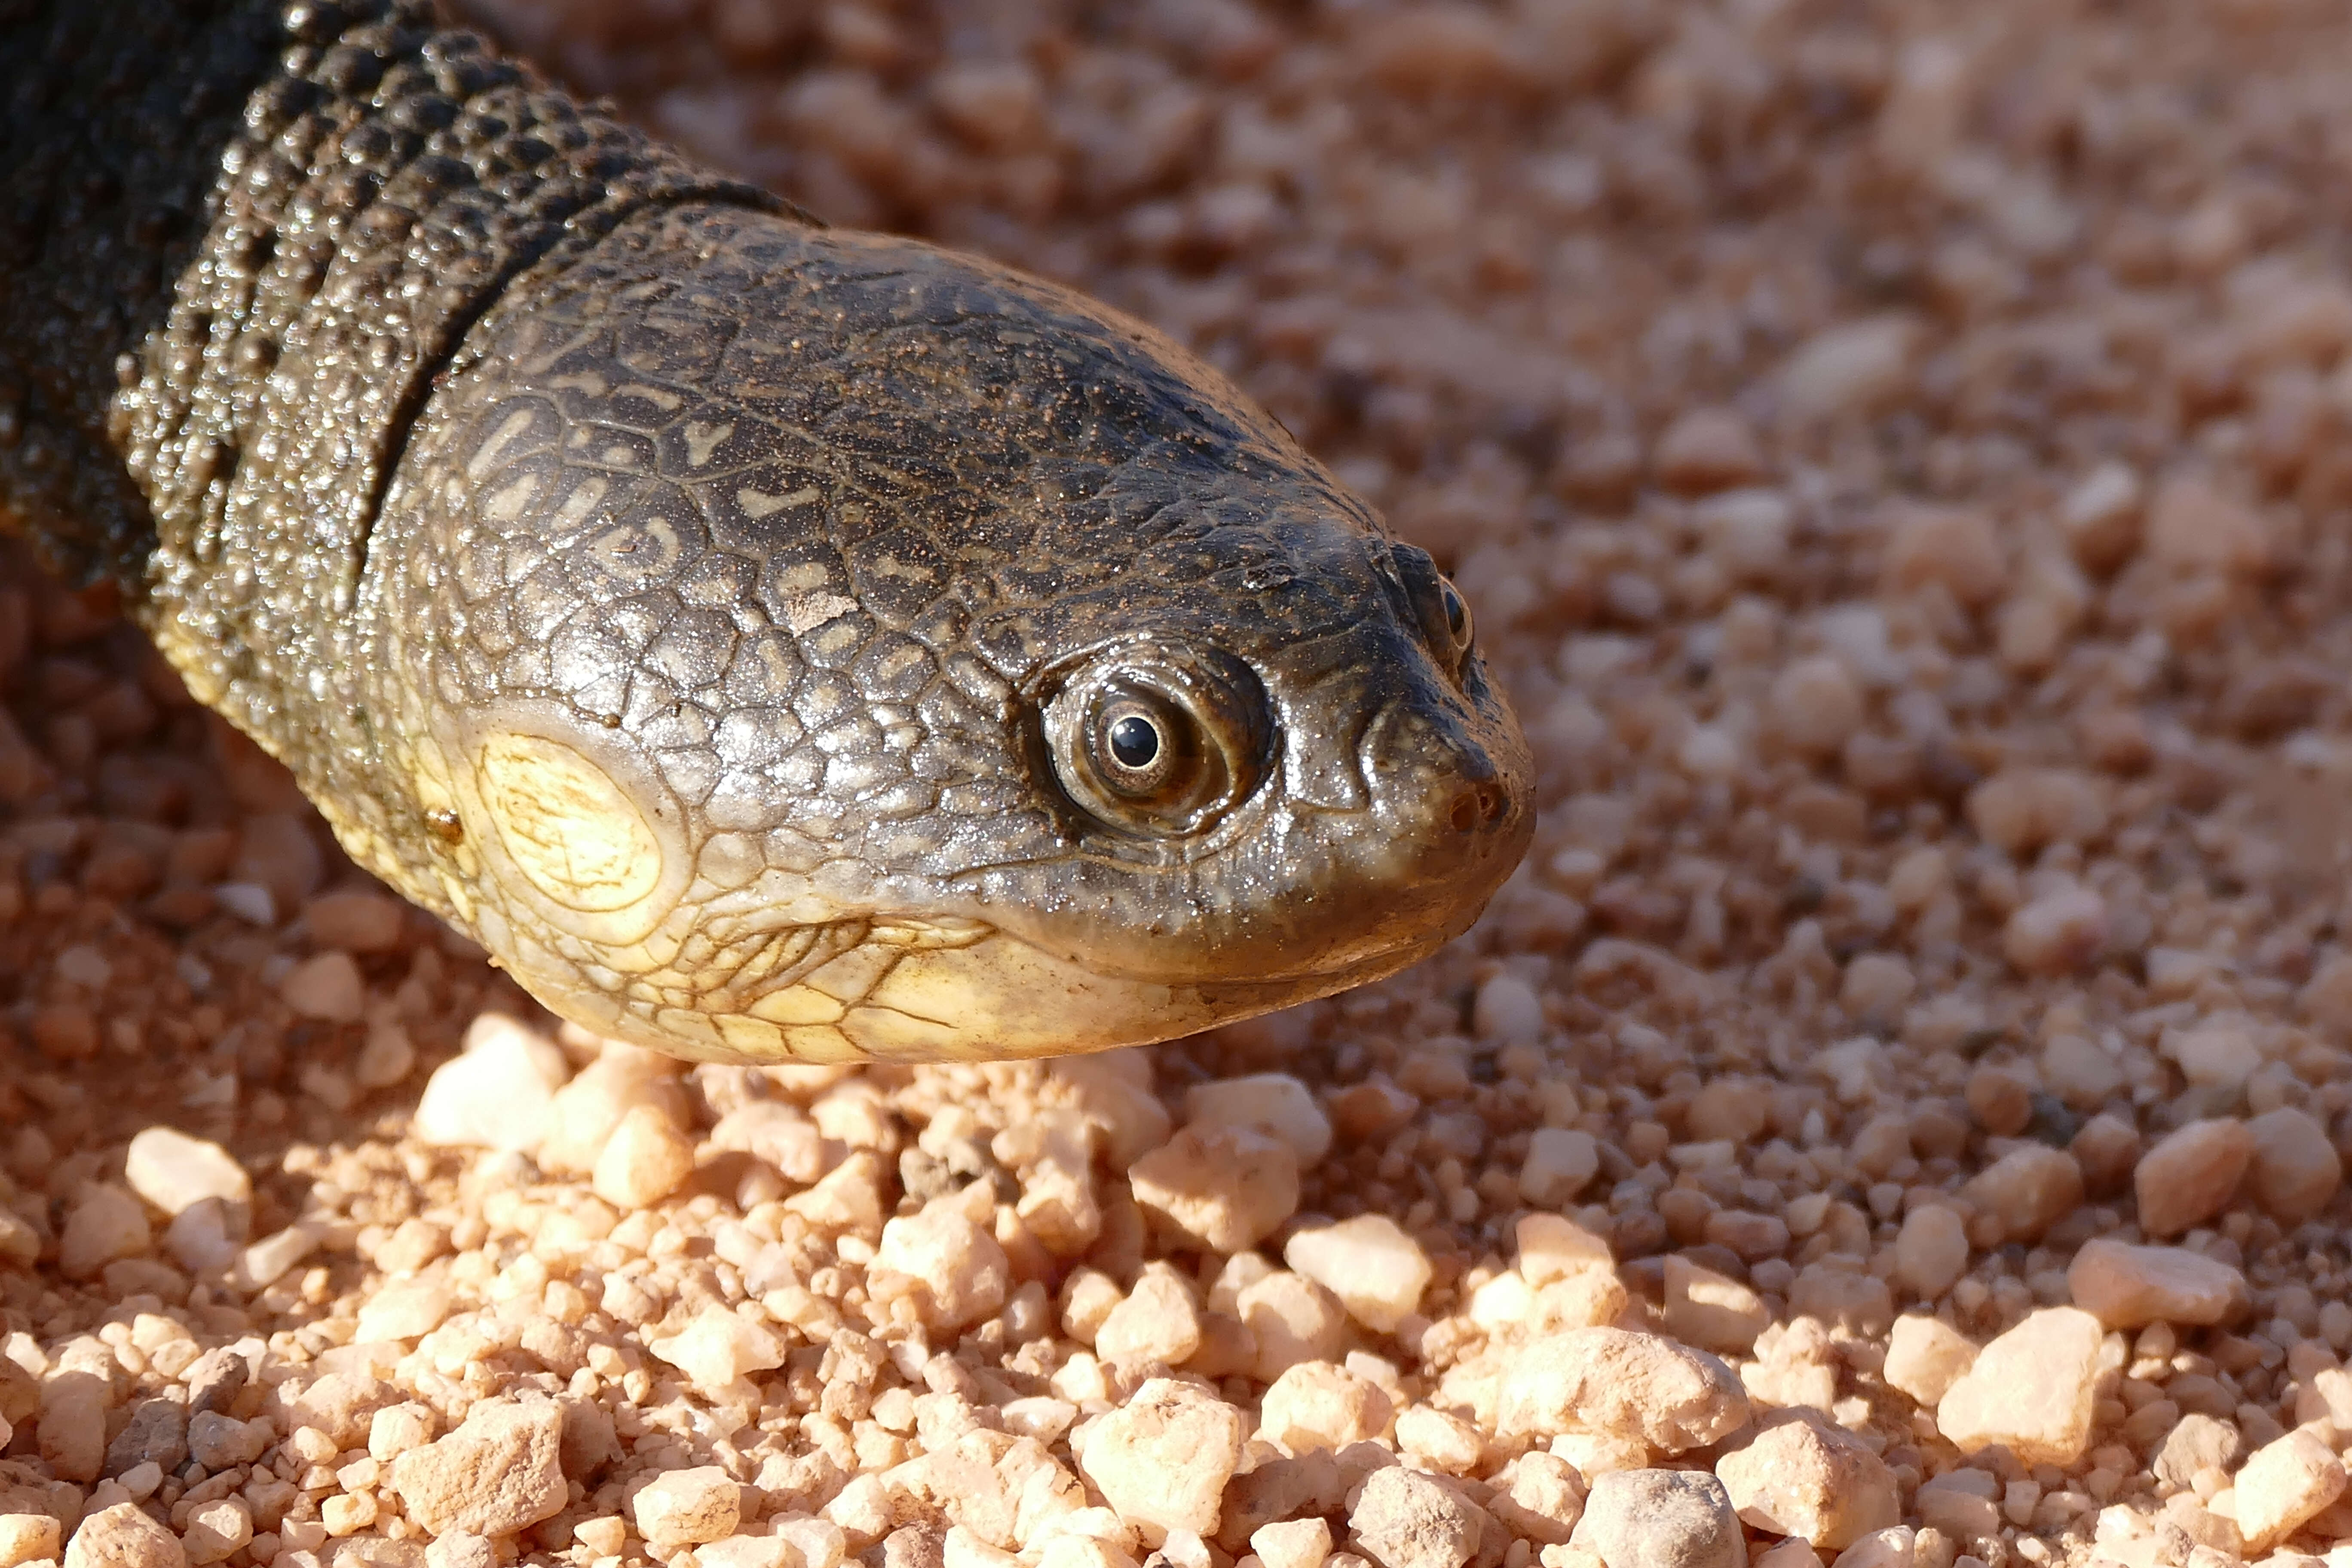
(991, 996)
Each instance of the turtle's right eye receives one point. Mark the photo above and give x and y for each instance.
(1155, 740)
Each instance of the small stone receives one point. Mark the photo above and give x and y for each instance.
(2191, 1174)
(1966, 1502)
(174, 1171)
(341, 1406)
(1551, 1248)
(1794, 1552)
(717, 1347)
(1931, 1250)
(2295, 1170)
(2101, 515)
(775, 1132)
(406, 1310)
(1445, 1441)
(687, 1507)
(123, 1536)
(397, 1429)
(2196, 1444)
(1853, 366)
(1894, 1547)
(2127, 1287)
(206, 1237)
(1292, 1543)
(218, 1529)
(1508, 1011)
(604, 1535)
(1292, 1320)
(1372, 1265)
(770, 1553)
(1815, 705)
(2217, 1057)
(1163, 1459)
(2028, 1190)
(2106, 1150)
(460, 1549)
(1798, 1479)
(265, 1262)
(214, 1379)
(1545, 1499)
(498, 1473)
(20, 1244)
(219, 1442)
(1706, 449)
(1226, 1187)
(1660, 1519)
(2080, 1073)
(496, 1093)
(1711, 1310)
(1560, 1163)
(1378, 1107)
(104, 1223)
(1609, 1382)
(327, 988)
(847, 1199)
(2194, 527)
(1953, 548)
(647, 1158)
(1404, 1518)
(348, 1513)
(2056, 933)
(1272, 1103)
(2032, 1389)
(1834, 1290)
(1277, 1489)
(1316, 1404)
(72, 1428)
(28, 1538)
(586, 1111)
(157, 1434)
(2020, 809)
(1878, 985)
(356, 920)
(963, 1270)
(2285, 1484)
(1157, 1321)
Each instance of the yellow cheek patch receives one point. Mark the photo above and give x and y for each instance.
(566, 825)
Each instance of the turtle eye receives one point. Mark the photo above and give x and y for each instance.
(1438, 606)
(1457, 614)
(1144, 747)
(1156, 740)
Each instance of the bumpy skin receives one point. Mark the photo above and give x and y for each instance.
(721, 616)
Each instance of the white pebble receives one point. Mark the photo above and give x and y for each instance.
(174, 1171)
(496, 1093)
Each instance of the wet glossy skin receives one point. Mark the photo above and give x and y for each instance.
(774, 642)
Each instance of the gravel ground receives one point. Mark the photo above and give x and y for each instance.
(1896, 453)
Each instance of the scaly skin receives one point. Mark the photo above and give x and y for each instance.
(724, 619)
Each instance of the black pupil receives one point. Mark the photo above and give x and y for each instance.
(1454, 611)
(1134, 742)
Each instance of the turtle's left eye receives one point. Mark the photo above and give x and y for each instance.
(1457, 614)
(1438, 605)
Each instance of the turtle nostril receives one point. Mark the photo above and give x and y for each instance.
(1464, 815)
(1481, 805)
